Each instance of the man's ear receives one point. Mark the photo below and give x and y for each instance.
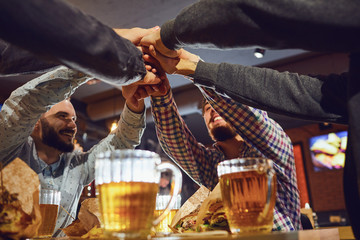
(37, 127)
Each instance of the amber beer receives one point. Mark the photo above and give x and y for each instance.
(163, 226)
(244, 195)
(48, 215)
(128, 207)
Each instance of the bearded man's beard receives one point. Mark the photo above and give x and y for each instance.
(52, 139)
(222, 133)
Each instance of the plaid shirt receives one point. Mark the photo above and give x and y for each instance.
(263, 138)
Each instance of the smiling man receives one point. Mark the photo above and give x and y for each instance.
(54, 132)
(38, 125)
(238, 131)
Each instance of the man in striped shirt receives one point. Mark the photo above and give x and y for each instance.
(238, 131)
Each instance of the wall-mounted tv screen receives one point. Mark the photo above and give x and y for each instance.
(328, 150)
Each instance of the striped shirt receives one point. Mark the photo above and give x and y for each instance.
(263, 138)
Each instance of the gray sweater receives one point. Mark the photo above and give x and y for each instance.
(322, 25)
(319, 98)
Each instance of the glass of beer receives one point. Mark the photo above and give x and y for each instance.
(127, 182)
(161, 203)
(248, 189)
(49, 206)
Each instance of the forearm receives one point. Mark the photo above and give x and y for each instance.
(139, 108)
(178, 142)
(315, 98)
(273, 24)
(14, 61)
(128, 135)
(72, 38)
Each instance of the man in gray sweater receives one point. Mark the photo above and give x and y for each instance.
(309, 25)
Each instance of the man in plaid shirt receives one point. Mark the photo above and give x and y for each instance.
(238, 131)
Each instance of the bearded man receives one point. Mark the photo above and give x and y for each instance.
(38, 126)
(238, 131)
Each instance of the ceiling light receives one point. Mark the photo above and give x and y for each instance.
(114, 125)
(259, 52)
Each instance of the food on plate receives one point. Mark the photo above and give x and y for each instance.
(88, 223)
(186, 224)
(207, 215)
(215, 218)
(19, 201)
(76, 228)
(12, 218)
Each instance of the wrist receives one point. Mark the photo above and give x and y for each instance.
(139, 108)
(186, 67)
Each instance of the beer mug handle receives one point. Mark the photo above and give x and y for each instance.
(270, 175)
(177, 189)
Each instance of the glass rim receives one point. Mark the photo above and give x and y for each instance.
(242, 164)
(49, 190)
(246, 159)
(127, 153)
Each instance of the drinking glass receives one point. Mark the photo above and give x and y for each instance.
(161, 203)
(49, 200)
(127, 182)
(248, 189)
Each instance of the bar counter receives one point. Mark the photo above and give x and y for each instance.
(316, 234)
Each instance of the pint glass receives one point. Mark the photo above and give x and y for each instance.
(248, 189)
(161, 203)
(49, 200)
(127, 182)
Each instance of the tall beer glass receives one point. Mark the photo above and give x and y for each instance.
(127, 182)
(161, 203)
(49, 200)
(248, 189)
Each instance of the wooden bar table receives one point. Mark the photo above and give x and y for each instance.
(316, 234)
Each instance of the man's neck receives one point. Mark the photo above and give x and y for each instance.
(231, 147)
(46, 153)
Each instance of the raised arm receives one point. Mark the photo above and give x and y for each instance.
(63, 34)
(179, 143)
(25, 105)
(319, 98)
(317, 26)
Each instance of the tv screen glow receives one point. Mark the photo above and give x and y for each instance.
(328, 151)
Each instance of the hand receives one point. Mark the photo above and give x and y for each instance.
(154, 39)
(135, 34)
(134, 104)
(144, 91)
(150, 79)
(185, 64)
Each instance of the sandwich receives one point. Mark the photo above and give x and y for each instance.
(12, 218)
(215, 218)
(209, 215)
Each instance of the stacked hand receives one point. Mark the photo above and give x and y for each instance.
(149, 83)
(158, 61)
(135, 35)
(172, 61)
